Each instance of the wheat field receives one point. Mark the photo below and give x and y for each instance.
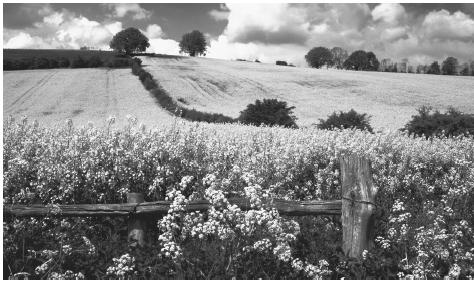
(220, 86)
(51, 96)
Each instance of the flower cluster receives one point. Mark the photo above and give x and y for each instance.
(424, 215)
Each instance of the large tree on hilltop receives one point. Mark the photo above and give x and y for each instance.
(318, 57)
(193, 43)
(129, 40)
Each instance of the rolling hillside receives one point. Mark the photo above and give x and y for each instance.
(220, 86)
(88, 94)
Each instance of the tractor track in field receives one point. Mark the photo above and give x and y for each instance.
(30, 92)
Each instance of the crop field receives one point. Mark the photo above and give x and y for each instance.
(18, 54)
(226, 87)
(54, 95)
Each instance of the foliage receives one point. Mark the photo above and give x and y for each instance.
(339, 55)
(193, 43)
(318, 57)
(434, 68)
(449, 66)
(346, 120)
(360, 60)
(94, 61)
(78, 62)
(281, 62)
(165, 100)
(129, 40)
(269, 112)
(424, 206)
(451, 123)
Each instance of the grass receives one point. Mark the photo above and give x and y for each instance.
(226, 87)
(53, 95)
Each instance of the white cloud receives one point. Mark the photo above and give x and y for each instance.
(63, 30)
(122, 9)
(389, 12)
(219, 15)
(443, 25)
(153, 31)
(163, 46)
(24, 40)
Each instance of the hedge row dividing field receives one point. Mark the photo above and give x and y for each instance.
(424, 206)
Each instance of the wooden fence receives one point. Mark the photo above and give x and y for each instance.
(356, 208)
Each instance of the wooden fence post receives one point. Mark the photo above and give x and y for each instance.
(358, 205)
(136, 225)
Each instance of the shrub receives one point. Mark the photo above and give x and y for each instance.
(346, 120)
(63, 62)
(281, 62)
(94, 61)
(119, 62)
(451, 123)
(7, 64)
(78, 62)
(40, 63)
(149, 83)
(53, 63)
(268, 112)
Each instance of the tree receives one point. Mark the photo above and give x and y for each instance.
(465, 69)
(193, 43)
(318, 57)
(339, 55)
(472, 68)
(129, 40)
(434, 68)
(281, 62)
(268, 112)
(357, 61)
(346, 120)
(450, 65)
(373, 62)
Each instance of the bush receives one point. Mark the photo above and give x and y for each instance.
(53, 63)
(119, 62)
(281, 62)
(346, 120)
(94, 61)
(269, 112)
(40, 63)
(63, 62)
(149, 83)
(78, 62)
(451, 123)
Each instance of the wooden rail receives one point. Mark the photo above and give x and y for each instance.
(290, 208)
(356, 208)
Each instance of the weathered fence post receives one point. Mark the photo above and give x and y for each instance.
(136, 225)
(358, 205)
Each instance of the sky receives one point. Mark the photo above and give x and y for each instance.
(268, 32)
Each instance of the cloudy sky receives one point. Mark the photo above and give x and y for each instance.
(419, 32)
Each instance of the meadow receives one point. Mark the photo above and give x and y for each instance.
(82, 95)
(226, 87)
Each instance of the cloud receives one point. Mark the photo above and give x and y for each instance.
(123, 9)
(390, 13)
(443, 25)
(164, 46)
(153, 31)
(221, 14)
(63, 30)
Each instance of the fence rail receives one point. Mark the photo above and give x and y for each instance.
(284, 207)
(356, 208)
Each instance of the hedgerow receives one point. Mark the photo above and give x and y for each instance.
(424, 206)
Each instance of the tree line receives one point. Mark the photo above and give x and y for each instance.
(339, 58)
